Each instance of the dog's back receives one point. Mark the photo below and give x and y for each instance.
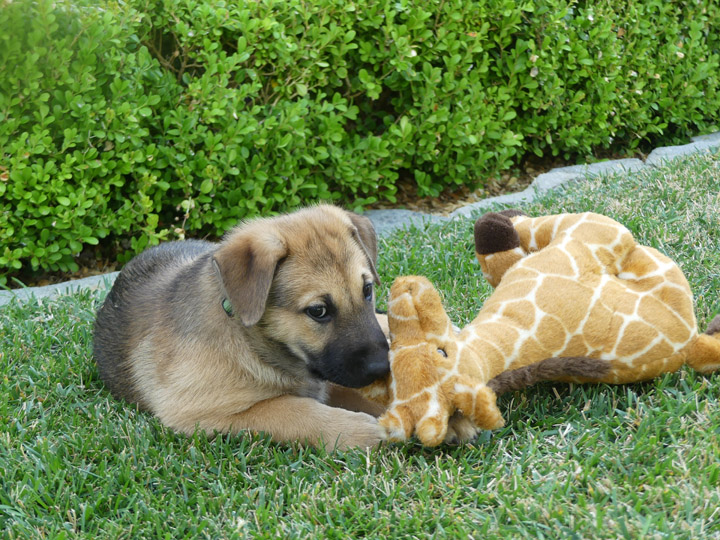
(132, 300)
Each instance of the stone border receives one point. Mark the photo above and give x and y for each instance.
(386, 221)
(89, 283)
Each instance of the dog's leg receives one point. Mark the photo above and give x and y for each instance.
(347, 398)
(291, 418)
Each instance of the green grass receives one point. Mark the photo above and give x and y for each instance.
(636, 461)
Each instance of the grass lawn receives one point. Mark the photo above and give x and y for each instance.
(636, 461)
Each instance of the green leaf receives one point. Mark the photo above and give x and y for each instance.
(206, 186)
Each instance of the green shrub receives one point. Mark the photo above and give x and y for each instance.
(77, 105)
(133, 122)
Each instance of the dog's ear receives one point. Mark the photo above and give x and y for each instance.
(246, 263)
(366, 237)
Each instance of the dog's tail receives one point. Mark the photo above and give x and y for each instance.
(704, 353)
(568, 368)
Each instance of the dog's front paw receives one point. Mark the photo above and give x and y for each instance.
(460, 429)
(354, 430)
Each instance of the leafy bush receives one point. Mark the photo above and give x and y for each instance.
(77, 105)
(139, 121)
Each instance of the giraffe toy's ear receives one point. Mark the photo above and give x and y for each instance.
(416, 313)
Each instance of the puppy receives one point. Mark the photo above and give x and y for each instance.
(254, 333)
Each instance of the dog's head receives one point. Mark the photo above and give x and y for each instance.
(305, 281)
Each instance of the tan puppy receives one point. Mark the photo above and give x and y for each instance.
(248, 334)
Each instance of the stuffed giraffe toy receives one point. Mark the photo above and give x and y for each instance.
(576, 299)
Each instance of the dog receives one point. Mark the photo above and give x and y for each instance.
(267, 331)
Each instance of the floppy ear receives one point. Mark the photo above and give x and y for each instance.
(367, 239)
(246, 264)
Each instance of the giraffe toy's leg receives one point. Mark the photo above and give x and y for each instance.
(478, 402)
(414, 390)
(398, 423)
(424, 414)
(432, 428)
(704, 353)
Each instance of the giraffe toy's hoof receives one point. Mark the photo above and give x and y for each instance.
(431, 431)
(713, 328)
(395, 428)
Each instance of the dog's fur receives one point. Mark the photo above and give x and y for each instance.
(222, 338)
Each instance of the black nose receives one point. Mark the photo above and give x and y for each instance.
(378, 364)
(358, 357)
(378, 368)
(365, 365)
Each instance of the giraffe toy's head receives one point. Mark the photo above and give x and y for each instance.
(429, 381)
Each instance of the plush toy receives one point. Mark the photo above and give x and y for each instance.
(576, 299)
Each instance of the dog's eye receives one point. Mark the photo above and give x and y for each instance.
(442, 351)
(317, 312)
(367, 291)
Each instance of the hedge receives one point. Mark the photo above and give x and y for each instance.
(127, 123)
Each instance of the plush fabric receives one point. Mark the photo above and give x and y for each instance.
(576, 299)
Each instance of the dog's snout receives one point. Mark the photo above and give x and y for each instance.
(358, 357)
(375, 360)
(363, 365)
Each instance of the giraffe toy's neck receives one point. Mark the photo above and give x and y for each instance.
(486, 347)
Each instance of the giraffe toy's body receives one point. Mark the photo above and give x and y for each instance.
(575, 296)
(574, 285)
